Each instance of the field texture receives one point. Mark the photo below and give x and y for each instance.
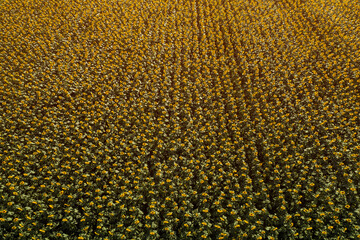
(179, 119)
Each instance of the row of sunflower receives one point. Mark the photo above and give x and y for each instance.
(179, 119)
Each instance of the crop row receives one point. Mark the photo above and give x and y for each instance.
(179, 119)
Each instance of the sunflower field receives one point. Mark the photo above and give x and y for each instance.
(179, 119)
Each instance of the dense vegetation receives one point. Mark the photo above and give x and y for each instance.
(179, 119)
